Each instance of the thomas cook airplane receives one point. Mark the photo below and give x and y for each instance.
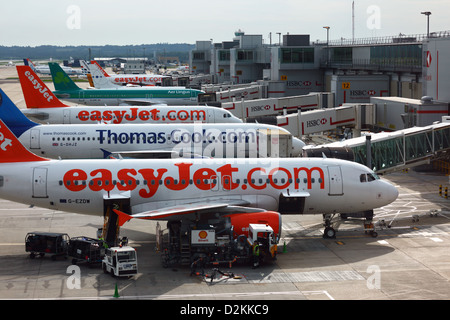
(66, 89)
(43, 106)
(188, 189)
(100, 140)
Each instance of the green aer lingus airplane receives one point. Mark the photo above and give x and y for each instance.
(66, 89)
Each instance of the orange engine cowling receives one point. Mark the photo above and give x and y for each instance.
(241, 221)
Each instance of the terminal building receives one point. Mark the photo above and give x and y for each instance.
(396, 84)
(354, 70)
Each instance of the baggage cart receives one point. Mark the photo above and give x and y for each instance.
(42, 243)
(86, 249)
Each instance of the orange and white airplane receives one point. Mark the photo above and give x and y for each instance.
(102, 80)
(189, 189)
(43, 106)
(99, 140)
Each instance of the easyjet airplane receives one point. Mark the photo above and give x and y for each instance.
(43, 106)
(66, 89)
(100, 140)
(188, 189)
(103, 80)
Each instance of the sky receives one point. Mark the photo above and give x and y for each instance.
(102, 22)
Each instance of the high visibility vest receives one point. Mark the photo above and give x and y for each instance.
(256, 250)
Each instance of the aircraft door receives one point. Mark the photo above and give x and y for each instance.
(335, 180)
(291, 205)
(81, 98)
(66, 116)
(35, 139)
(39, 183)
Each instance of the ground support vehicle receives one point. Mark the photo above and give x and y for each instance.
(201, 245)
(86, 249)
(42, 243)
(120, 261)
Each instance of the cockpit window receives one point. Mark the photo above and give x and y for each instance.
(368, 177)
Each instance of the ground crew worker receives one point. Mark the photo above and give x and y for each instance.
(255, 255)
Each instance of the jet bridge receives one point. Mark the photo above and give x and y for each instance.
(392, 151)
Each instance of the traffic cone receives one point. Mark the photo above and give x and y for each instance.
(116, 292)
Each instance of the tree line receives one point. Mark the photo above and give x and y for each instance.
(180, 50)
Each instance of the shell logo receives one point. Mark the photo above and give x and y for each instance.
(202, 234)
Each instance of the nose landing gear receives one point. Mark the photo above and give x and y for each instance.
(331, 228)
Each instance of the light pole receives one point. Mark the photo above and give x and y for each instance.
(279, 38)
(328, 39)
(427, 13)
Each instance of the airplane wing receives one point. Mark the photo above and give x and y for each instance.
(136, 102)
(198, 208)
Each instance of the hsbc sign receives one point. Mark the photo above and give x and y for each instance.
(316, 122)
(260, 108)
(359, 88)
(428, 59)
(362, 93)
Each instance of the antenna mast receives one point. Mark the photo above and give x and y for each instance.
(353, 22)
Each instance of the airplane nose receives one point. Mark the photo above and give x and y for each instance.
(394, 193)
(297, 146)
(390, 191)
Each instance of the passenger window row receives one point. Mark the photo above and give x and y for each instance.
(184, 182)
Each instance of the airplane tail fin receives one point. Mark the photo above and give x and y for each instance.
(99, 68)
(11, 150)
(11, 116)
(85, 67)
(100, 78)
(60, 78)
(28, 62)
(35, 92)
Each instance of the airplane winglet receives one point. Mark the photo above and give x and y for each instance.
(123, 217)
(35, 91)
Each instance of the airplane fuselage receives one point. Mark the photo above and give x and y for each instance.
(121, 96)
(295, 185)
(98, 140)
(128, 114)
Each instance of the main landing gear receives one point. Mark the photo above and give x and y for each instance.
(331, 228)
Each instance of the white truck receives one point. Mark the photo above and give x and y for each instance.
(120, 261)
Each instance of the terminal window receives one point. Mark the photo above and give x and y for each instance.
(297, 55)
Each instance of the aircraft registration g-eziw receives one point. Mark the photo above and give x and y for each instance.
(178, 189)
(100, 140)
(43, 106)
(66, 89)
(102, 79)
